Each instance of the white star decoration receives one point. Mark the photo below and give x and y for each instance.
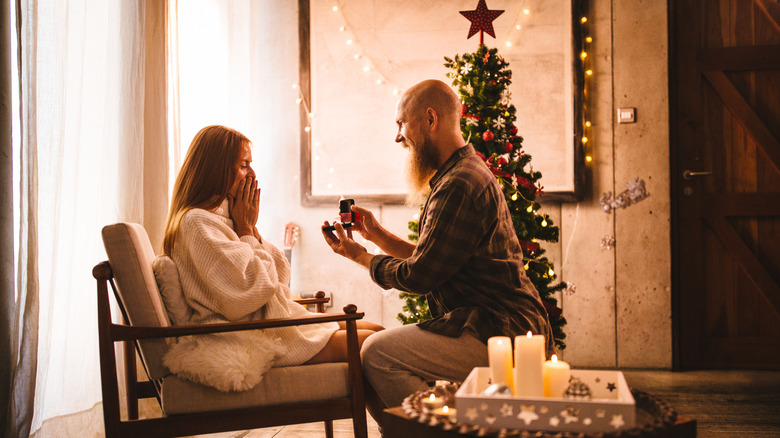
(617, 421)
(466, 68)
(527, 414)
(471, 121)
(569, 416)
(468, 89)
(499, 122)
(506, 410)
(471, 414)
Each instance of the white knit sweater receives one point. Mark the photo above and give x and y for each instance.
(227, 278)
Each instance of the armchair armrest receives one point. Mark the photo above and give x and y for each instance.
(122, 332)
(319, 301)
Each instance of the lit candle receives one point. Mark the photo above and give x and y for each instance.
(432, 402)
(445, 412)
(556, 377)
(500, 358)
(529, 364)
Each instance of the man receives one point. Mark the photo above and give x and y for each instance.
(468, 260)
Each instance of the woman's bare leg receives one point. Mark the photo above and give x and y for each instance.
(336, 348)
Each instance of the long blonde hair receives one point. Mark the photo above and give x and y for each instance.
(205, 177)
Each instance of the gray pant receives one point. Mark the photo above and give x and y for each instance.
(399, 361)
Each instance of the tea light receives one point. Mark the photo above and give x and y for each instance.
(432, 403)
(529, 364)
(500, 359)
(445, 412)
(556, 377)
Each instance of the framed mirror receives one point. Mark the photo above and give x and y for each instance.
(358, 56)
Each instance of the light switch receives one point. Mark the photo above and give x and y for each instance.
(626, 115)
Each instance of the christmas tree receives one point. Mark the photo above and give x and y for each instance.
(482, 79)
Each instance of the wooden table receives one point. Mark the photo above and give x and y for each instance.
(398, 425)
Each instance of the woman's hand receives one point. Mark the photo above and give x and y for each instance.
(245, 207)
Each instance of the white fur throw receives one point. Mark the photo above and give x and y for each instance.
(234, 361)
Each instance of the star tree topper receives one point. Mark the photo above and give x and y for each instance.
(481, 20)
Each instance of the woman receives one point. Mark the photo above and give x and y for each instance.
(228, 272)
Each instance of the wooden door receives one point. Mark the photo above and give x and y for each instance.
(725, 163)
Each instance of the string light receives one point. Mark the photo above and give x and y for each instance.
(544, 222)
(530, 209)
(587, 75)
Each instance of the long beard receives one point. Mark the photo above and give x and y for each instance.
(420, 167)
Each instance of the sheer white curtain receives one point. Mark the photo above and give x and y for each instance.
(79, 165)
(215, 47)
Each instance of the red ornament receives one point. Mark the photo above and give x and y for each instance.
(508, 147)
(464, 109)
(481, 20)
(513, 130)
(501, 161)
(487, 136)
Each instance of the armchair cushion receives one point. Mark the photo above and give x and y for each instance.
(281, 385)
(233, 361)
(167, 277)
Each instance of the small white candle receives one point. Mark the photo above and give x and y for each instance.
(445, 412)
(500, 358)
(432, 402)
(529, 365)
(556, 377)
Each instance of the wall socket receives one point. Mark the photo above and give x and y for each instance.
(626, 115)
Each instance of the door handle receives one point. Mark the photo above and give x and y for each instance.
(688, 175)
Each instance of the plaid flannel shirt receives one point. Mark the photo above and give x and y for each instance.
(468, 261)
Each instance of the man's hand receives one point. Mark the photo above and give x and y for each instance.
(343, 245)
(366, 224)
(245, 207)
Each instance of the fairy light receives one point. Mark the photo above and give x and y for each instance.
(514, 196)
(544, 222)
(530, 209)
(551, 272)
(588, 73)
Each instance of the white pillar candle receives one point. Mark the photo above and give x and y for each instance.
(556, 377)
(500, 357)
(529, 364)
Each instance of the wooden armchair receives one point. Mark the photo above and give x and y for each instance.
(286, 395)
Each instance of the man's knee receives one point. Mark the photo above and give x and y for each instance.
(371, 351)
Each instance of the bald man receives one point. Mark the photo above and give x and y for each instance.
(467, 261)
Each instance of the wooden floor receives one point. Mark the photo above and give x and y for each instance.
(744, 404)
(740, 404)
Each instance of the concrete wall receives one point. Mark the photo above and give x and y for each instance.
(620, 314)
